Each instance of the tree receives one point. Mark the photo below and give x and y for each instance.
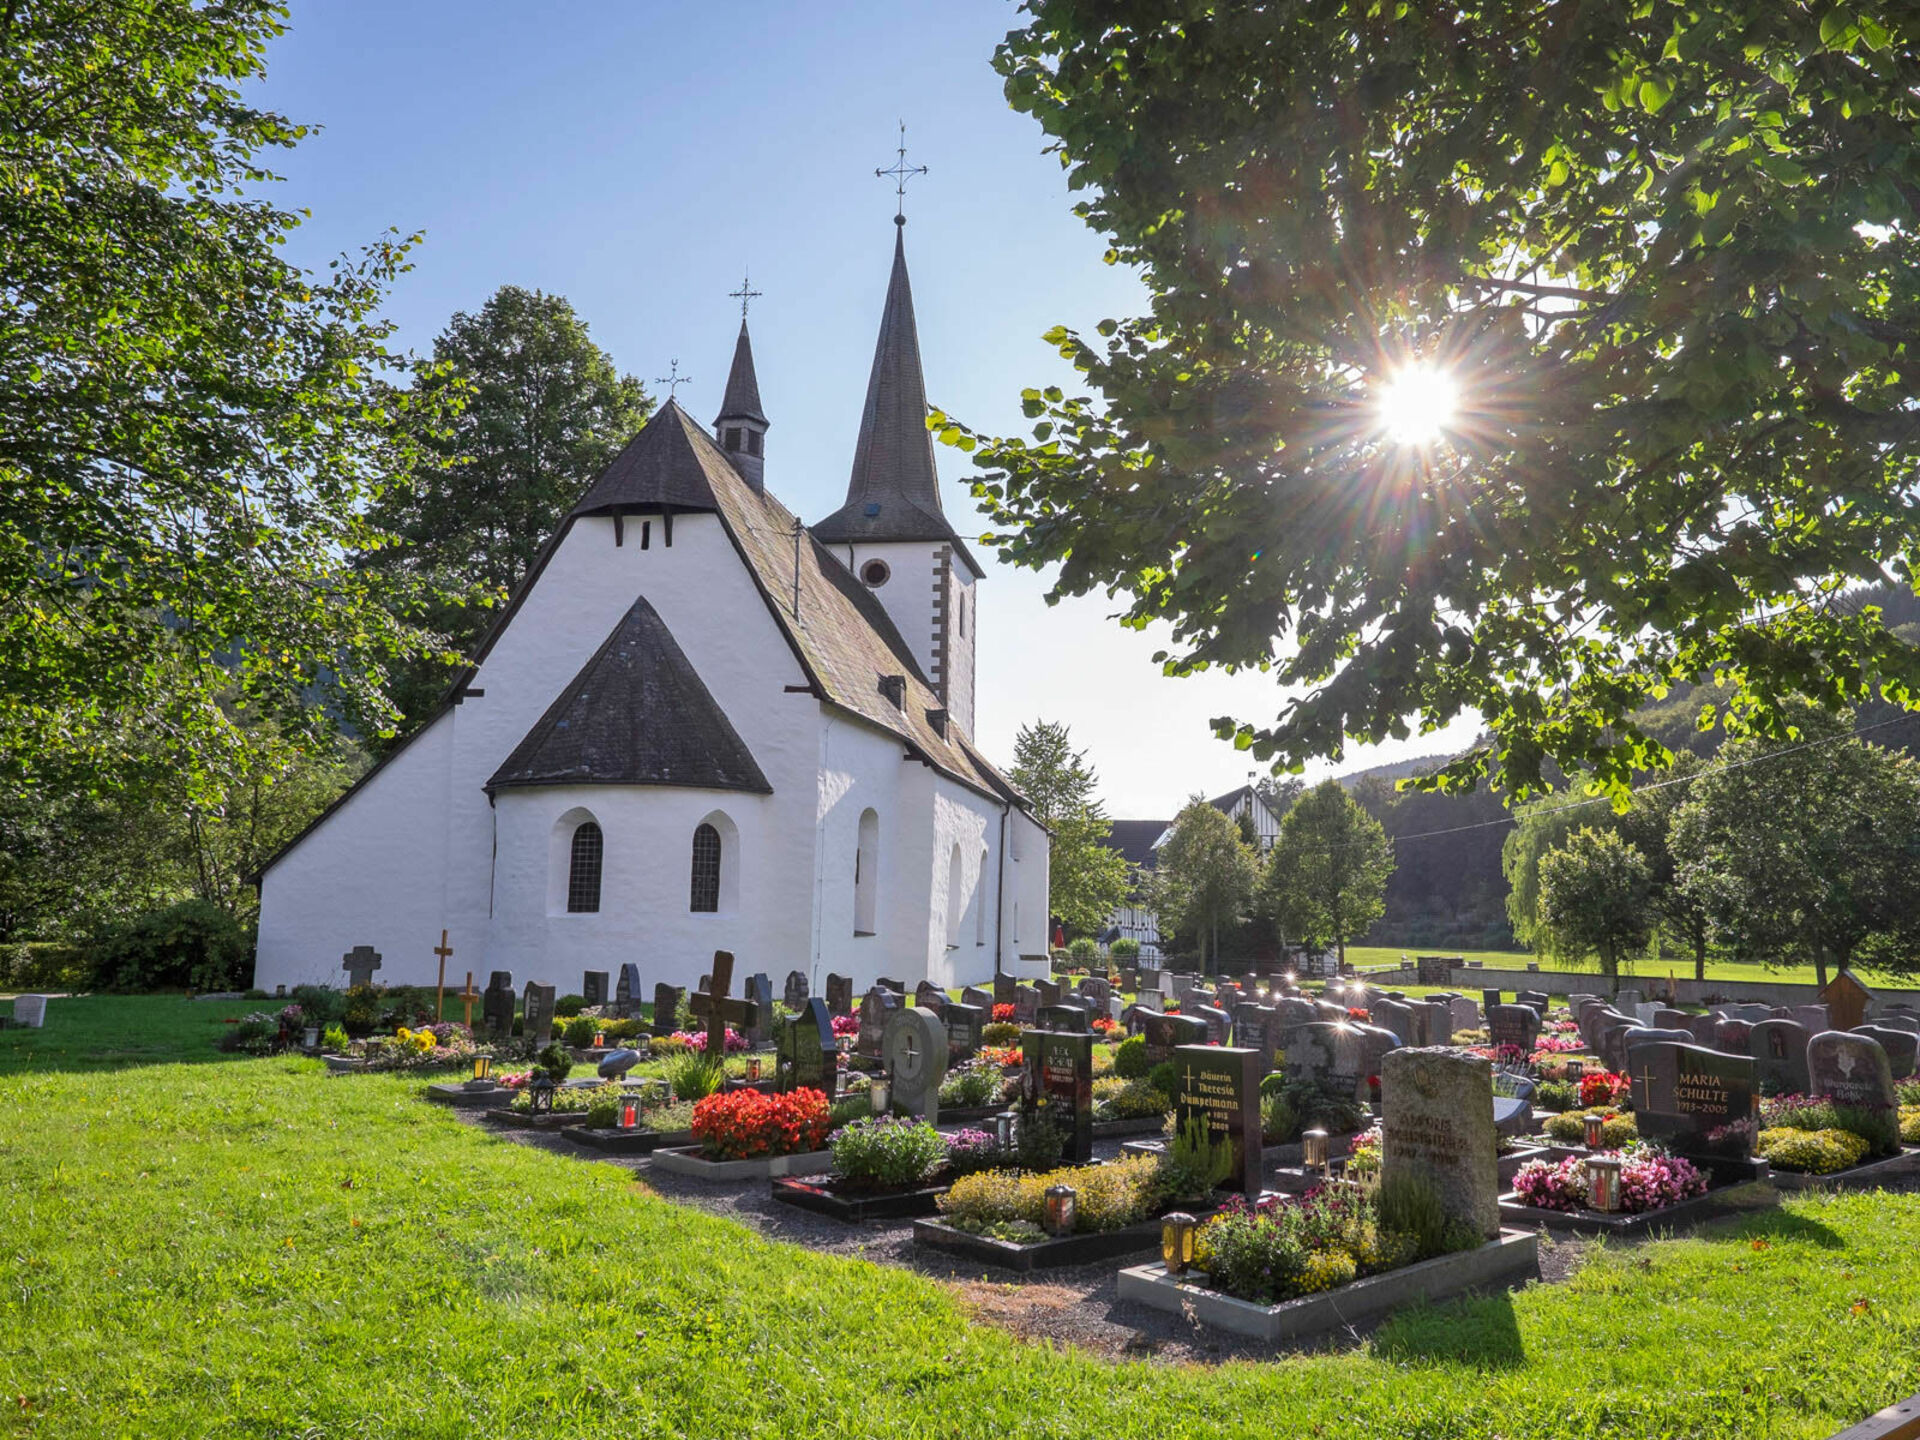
(1506, 359)
(190, 427)
(1647, 824)
(544, 410)
(1806, 851)
(1327, 882)
(1086, 880)
(1595, 893)
(1205, 877)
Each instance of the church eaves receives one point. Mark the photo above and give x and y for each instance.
(636, 714)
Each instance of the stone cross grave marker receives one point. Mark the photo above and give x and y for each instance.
(538, 1029)
(914, 1047)
(360, 963)
(1436, 1122)
(666, 1007)
(807, 1057)
(1059, 1080)
(498, 1006)
(717, 1009)
(593, 988)
(840, 994)
(1219, 1085)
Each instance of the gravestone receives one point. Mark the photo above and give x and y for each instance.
(1003, 987)
(1392, 1015)
(667, 1000)
(1026, 1005)
(1095, 989)
(1327, 1055)
(1699, 1103)
(1850, 1069)
(360, 963)
(964, 1024)
(1847, 1000)
(1625, 1000)
(593, 988)
(1668, 1019)
(794, 995)
(1257, 1028)
(497, 1005)
(1490, 1001)
(1374, 1044)
(1466, 1014)
(1219, 1023)
(1436, 1123)
(616, 1063)
(896, 986)
(929, 996)
(1166, 1033)
(914, 1048)
(1129, 978)
(840, 994)
(757, 1026)
(1704, 1028)
(1730, 1036)
(1814, 1017)
(1062, 1017)
(876, 1008)
(1779, 1051)
(1440, 1022)
(30, 1011)
(1049, 992)
(1219, 1085)
(974, 995)
(626, 992)
(1900, 1045)
(1514, 1025)
(1897, 1020)
(1330, 1013)
(1537, 1000)
(806, 1055)
(538, 1007)
(1059, 1079)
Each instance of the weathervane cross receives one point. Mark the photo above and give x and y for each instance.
(901, 173)
(673, 379)
(745, 293)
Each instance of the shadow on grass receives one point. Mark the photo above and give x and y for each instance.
(1482, 1332)
(103, 1033)
(1777, 1224)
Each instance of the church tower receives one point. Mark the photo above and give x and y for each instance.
(892, 532)
(740, 427)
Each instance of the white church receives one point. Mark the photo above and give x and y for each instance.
(700, 725)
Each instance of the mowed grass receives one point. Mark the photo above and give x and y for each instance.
(1731, 971)
(251, 1248)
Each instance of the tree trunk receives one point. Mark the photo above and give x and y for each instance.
(1820, 968)
(1700, 955)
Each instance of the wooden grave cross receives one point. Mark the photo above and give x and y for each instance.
(717, 1009)
(443, 950)
(466, 998)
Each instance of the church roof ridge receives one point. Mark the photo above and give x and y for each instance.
(657, 468)
(637, 713)
(742, 400)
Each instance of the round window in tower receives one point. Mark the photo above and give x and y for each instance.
(876, 573)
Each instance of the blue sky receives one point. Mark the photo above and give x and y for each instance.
(638, 157)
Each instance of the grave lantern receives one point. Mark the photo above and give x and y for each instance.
(482, 1069)
(629, 1112)
(753, 1067)
(1576, 1069)
(1176, 1241)
(1313, 1151)
(1603, 1183)
(1062, 1202)
(540, 1096)
(879, 1095)
(1595, 1125)
(1003, 1131)
(310, 1037)
(599, 1040)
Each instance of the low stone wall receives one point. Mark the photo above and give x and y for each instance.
(1689, 992)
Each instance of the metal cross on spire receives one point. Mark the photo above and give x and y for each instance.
(901, 173)
(673, 379)
(745, 293)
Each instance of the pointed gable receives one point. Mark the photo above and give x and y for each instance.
(894, 491)
(659, 469)
(742, 400)
(636, 714)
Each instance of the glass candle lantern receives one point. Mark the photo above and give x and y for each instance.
(1595, 1124)
(1313, 1151)
(629, 1113)
(753, 1067)
(540, 1096)
(599, 1040)
(310, 1037)
(482, 1069)
(1176, 1241)
(1003, 1131)
(1061, 1203)
(879, 1095)
(1603, 1183)
(1576, 1069)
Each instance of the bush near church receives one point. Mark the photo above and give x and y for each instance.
(194, 945)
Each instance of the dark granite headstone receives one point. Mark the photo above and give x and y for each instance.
(1730, 1036)
(1901, 1046)
(497, 1005)
(1059, 1079)
(1539, 1000)
(1026, 1005)
(1220, 1085)
(974, 995)
(626, 992)
(1850, 1069)
(667, 1000)
(930, 996)
(1049, 992)
(808, 1057)
(1698, 1102)
(794, 995)
(840, 994)
(896, 986)
(964, 1024)
(1665, 1018)
(593, 988)
(1779, 1051)
(1257, 1028)
(1062, 1017)
(1219, 1023)
(1394, 1016)
(538, 1006)
(1490, 1001)
(1166, 1032)
(1517, 1025)
(878, 1004)
(759, 1029)
(1003, 986)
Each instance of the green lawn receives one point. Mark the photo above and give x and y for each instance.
(1729, 970)
(247, 1247)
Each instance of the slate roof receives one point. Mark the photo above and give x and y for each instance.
(894, 490)
(657, 469)
(636, 714)
(1134, 839)
(742, 400)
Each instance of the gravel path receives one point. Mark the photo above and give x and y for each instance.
(1075, 1306)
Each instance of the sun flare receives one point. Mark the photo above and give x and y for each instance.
(1418, 404)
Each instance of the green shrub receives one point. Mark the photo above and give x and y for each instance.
(664, 1046)
(1279, 1121)
(360, 1009)
(193, 945)
(1117, 1099)
(1083, 951)
(555, 1063)
(1410, 1205)
(334, 1040)
(1570, 1128)
(25, 966)
(887, 1153)
(568, 1006)
(1000, 1032)
(1108, 1197)
(579, 1031)
(1125, 949)
(1906, 1092)
(849, 1108)
(1557, 1095)
(1164, 1077)
(1811, 1152)
(1037, 1141)
(319, 1004)
(971, 1085)
(253, 1035)
(604, 1110)
(1910, 1124)
(1196, 1162)
(694, 1077)
(619, 1031)
(1291, 1108)
(1130, 1058)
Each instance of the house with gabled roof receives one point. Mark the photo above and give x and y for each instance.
(700, 724)
(1139, 842)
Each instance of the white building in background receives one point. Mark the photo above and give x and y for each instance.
(1139, 841)
(700, 725)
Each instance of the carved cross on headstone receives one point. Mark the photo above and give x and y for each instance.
(360, 963)
(717, 1009)
(466, 998)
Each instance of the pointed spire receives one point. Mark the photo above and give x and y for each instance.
(894, 491)
(742, 400)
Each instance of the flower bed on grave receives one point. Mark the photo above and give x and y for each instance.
(1658, 1190)
(1295, 1265)
(997, 1217)
(888, 1168)
(1811, 1140)
(745, 1134)
(662, 1122)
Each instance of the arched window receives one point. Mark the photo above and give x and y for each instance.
(866, 876)
(956, 897)
(583, 871)
(706, 869)
(980, 903)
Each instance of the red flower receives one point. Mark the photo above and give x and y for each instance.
(1002, 1013)
(746, 1125)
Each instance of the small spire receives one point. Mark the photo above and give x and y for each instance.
(741, 425)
